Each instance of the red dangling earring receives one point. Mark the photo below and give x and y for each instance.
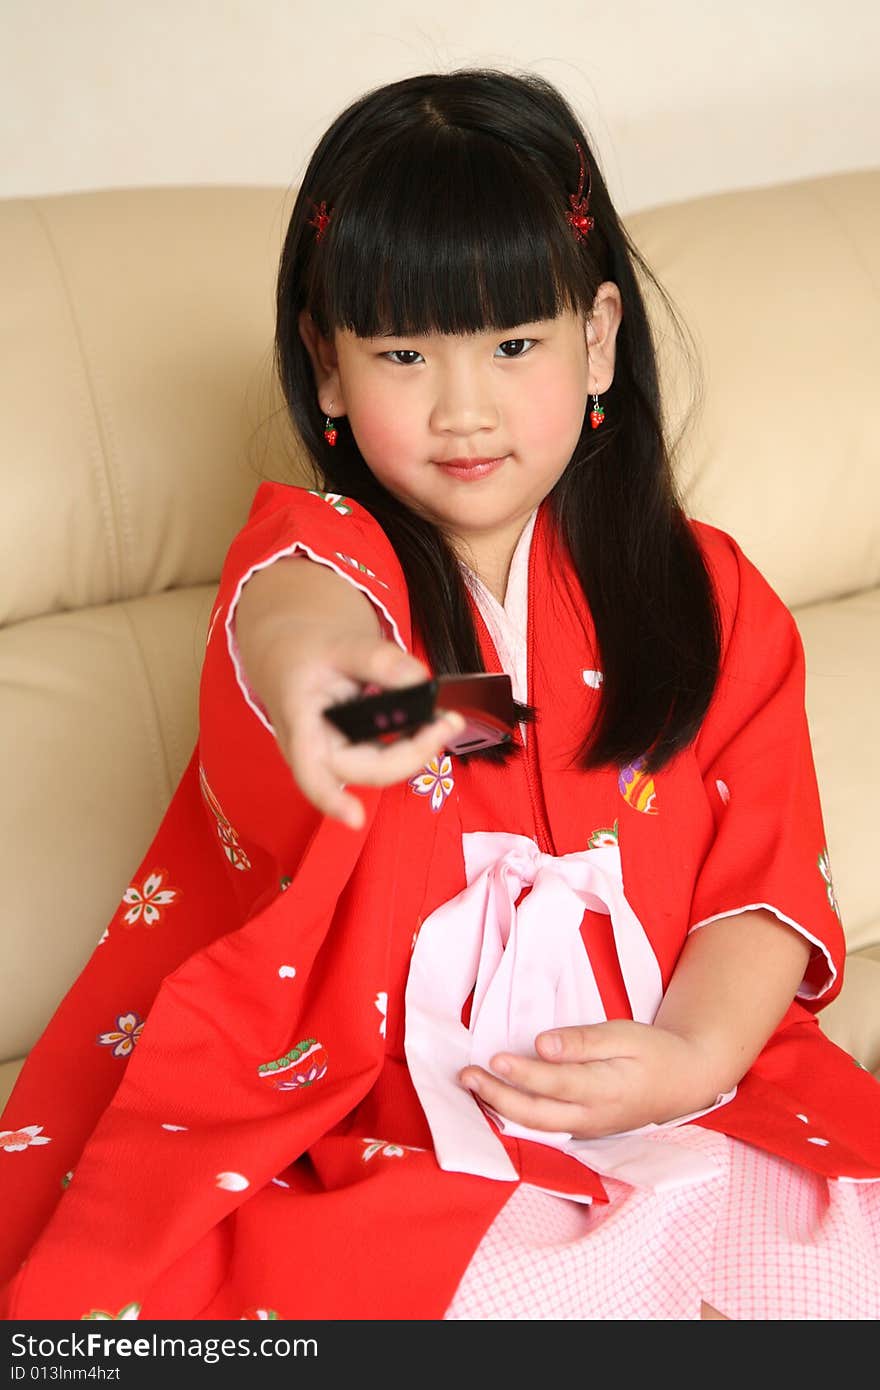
(597, 414)
(331, 433)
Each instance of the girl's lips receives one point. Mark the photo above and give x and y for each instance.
(471, 468)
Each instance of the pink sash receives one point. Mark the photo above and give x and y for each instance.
(529, 970)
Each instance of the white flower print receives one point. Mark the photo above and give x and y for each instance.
(381, 1003)
(381, 1146)
(128, 1029)
(436, 781)
(148, 899)
(723, 790)
(13, 1140)
(824, 863)
(232, 1182)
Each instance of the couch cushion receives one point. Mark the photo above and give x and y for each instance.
(8, 1077)
(99, 713)
(780, 287)
(139, 403)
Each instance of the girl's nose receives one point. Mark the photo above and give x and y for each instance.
(464, 404)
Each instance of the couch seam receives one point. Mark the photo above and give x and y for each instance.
(820, 194)
(150, 703)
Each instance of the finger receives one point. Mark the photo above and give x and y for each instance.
(325, 781)
(328, 794)
(310, 750)
(590, 1042)
(536, 1112)
(381, 765)
(579, 1083)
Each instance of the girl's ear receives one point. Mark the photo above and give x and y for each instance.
(324, 364)
(604, 321)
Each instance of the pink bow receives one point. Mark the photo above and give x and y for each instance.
(529, 970)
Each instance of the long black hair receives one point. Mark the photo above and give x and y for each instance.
(449, 194)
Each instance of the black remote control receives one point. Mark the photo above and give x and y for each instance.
(485, 700)
(391, 712)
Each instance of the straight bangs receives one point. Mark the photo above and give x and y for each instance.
(446, 231)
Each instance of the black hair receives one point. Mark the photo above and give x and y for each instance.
(448, 195)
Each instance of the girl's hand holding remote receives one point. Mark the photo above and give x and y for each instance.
(308, 640)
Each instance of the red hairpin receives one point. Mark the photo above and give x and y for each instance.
(579, 216)
(320, 220)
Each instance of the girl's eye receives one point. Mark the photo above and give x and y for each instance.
(402, 352)
(518, 344)
(397, 355)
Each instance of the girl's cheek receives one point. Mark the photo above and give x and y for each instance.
(540, 419)
(373, 415)
(563, 405)
(380, 437)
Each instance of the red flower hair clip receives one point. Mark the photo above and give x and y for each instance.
(579, 216)
(320, 221)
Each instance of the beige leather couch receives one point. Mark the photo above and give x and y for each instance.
(139, 414)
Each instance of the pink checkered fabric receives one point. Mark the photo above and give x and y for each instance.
(763, 1240)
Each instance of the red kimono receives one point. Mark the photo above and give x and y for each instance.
(220, 1120)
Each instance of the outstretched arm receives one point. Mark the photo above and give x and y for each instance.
(306, 639)
(734, 981)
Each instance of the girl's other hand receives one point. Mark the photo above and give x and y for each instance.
(602, 1078)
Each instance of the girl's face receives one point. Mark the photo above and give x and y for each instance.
(416, 403)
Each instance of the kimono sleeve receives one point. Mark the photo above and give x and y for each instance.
(328, 529)
(754, 750)
(263, 821)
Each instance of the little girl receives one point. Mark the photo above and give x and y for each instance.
(391, 1030)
